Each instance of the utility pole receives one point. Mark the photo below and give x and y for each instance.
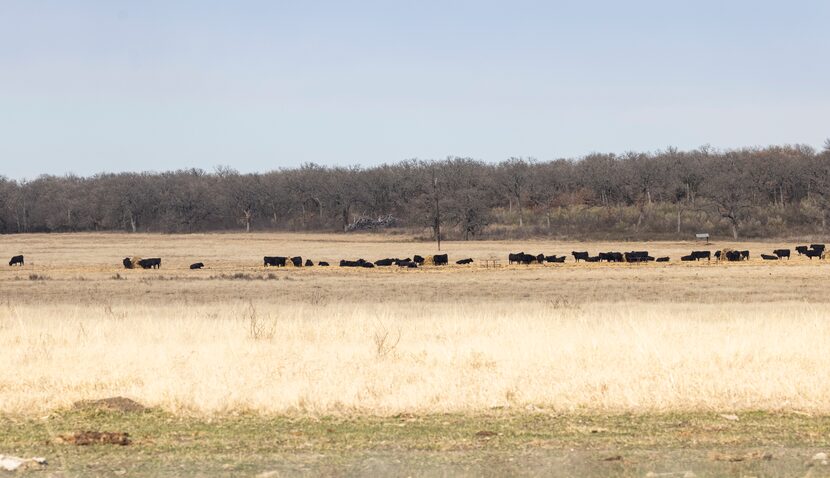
(437, 209)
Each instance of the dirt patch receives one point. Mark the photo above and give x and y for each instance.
(113, 404)
(95, 438)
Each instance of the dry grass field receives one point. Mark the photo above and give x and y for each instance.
(577, 369)
(572, 337)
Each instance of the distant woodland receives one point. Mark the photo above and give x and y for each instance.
(777, 191)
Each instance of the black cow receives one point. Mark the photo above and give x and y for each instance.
(702, 255)
(801, 250)
(153, 263)
(580, 256)
(734, 256)
(440, 259)
(688, 258)
(128, 263)
(385, 262)
(814, 253)
(197, 265)
(297, 261)
(308, 263)
(611, 256)
(515, 257)
(817, 247)
(782, 253)
(464, 261)
(637, 256)
(16, 261)
(744, 255)
(407, 263)
(554, 258)
(768, 257)
(418, 259)
(323, 264)
(540, 258)
(662, 259)
(592, 259)
(367, 265)
(275, 261)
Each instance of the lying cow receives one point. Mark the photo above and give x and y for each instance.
(323, 263)
(128, 263)
(308, 263)
(769, 257)
(418, 259)
(152, 263)
(197, 265)
(688, 258)
(464, 261)
(16, 261)
(662, 259)
(555, 259)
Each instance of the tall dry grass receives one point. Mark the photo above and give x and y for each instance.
(338, 357)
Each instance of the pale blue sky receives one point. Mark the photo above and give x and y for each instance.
(91, 86)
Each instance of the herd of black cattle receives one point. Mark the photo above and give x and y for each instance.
(730, 255)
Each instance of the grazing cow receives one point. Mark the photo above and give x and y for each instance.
(464, 261)
(128, 264)
(16, 261)
(580, 256)
(441, 259)
(297, 261)
(801, 250)
(275, 261)
(418, 259)
(782, 253)
(197, 265)
(701, 255)
(611, 256)
(540, 258)
(308, 263)
(153, 263)
(323, 264)
(744, 255)
(637, 256)
(662, 259)
(688, 258)
(768, 257)
(733, 256)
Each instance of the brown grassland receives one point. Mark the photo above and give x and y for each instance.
(593, 357)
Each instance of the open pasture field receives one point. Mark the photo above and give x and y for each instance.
(86, 268)
(459, 361)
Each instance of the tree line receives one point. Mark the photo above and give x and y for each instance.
(773, 191)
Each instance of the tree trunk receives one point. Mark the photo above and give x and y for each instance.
(679, 213)
(734, 225)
